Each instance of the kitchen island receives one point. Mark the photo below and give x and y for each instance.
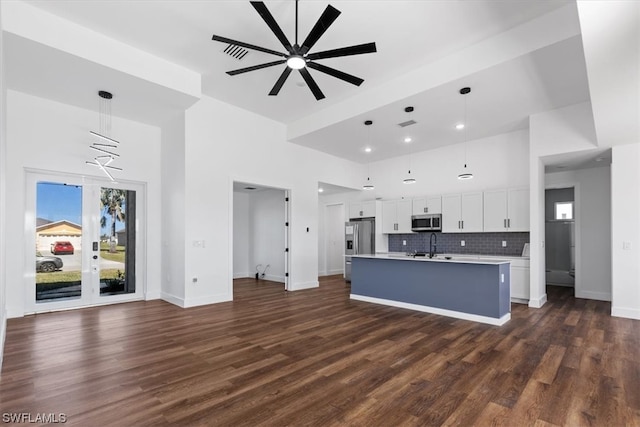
(473, 289)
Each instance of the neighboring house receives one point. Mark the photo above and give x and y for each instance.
(121, 237)
(58, 230)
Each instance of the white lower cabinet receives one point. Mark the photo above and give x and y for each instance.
(520, 280)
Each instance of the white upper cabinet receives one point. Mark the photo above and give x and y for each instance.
(427, 205)
(506, 210)
(396, 216)
(362, 209)
(518, 209)
(462, 213)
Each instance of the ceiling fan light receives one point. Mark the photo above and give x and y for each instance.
(296, 62)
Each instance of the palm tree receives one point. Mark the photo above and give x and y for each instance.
(112, 202)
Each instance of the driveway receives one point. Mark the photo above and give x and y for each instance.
(74, 262)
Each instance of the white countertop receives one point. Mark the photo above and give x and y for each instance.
(458, 259)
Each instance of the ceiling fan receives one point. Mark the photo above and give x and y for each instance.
(298, 56)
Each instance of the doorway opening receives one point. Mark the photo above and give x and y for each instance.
(261, 243)
(86, 240)
(560, 237)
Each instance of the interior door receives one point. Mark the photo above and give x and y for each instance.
(86, 239)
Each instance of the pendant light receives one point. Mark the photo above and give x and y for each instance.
(409, 179)
(465, 173)
(368, 185)
(105, 145)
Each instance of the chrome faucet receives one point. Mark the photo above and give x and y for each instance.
(433, 239)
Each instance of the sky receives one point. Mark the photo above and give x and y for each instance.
(57, 202)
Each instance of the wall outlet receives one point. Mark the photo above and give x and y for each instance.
(502, 277)
(404, 243)
(462, 243)
(504, 243)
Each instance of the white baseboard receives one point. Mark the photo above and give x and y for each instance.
(12, 314)
(243, 275)
(153, 295)
(626, 312)
(3, 334)
(172, 299)
(273, 278)
(304, 285)
(434, 310)
(206, 300)
(519, 300)
(600, 296)
(538, 302)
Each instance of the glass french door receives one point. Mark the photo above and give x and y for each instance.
(86, 241)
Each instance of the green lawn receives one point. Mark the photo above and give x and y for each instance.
(105, 254)
(72, 276)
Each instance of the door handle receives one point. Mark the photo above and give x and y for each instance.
(509, 223)
(462, 222)
(504, 221)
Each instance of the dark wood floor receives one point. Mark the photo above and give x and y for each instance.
(314, 357)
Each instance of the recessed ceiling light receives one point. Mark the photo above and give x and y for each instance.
(407, 139)
(367, 149)
(460, 126)
(320, 190)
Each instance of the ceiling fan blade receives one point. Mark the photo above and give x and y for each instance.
(312, 84)
(329, 15)
(261, 8)
(247, 45)
(335, 73)
(255, 67)
(280, 82)
(344, 51)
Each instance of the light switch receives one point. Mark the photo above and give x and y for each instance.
(462, 243)
(626, 246)
(504, 243)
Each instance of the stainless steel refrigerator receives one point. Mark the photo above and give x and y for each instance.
(360, 238)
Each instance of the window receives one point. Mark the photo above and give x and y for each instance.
(564, 210)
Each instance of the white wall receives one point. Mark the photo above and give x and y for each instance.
(3, 93)
(496, 162)
(173, 210)
(625, 213)
(564, 130)
(226, 144)
(593, 233)
(50, 136)
(267, 239)
(241, 232)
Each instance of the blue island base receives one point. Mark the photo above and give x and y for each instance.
(472, 291)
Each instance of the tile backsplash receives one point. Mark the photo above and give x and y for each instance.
(475, 243)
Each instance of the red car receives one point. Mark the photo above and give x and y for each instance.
(61, 248)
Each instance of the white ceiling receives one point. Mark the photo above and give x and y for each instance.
(408, 34)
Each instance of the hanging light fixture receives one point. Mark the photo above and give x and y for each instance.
(409, 179)
(368, 185)
(465, 173)
(105, 146)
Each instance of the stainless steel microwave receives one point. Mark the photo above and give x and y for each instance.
(428, 222)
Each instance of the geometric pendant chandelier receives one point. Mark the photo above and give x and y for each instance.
(103, 144)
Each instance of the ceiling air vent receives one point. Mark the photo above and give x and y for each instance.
(407, 123)
(236, 51)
